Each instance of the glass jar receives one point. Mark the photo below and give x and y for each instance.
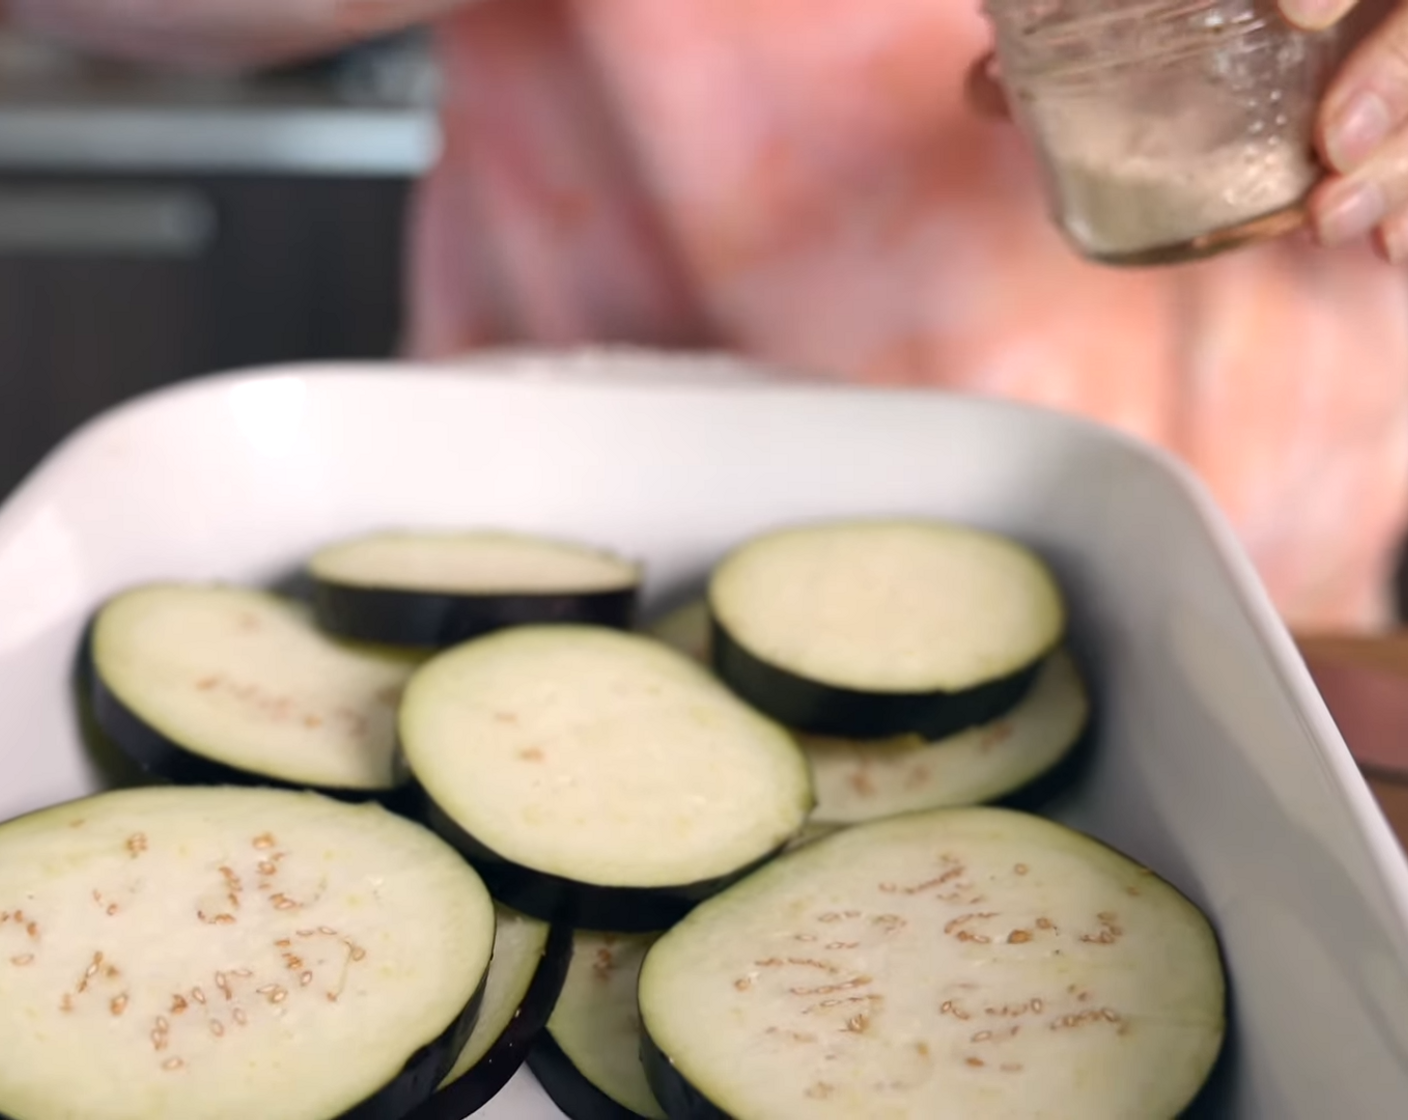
(1167, 130)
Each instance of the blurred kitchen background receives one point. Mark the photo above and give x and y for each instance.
(156, 226)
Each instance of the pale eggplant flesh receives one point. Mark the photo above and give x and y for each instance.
(217, 685)
(950, 963)
(871, 629)
(599, 778)
(176, 953)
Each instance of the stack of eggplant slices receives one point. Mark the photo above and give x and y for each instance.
(776, 855)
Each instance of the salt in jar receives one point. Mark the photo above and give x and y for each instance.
(1167, 130)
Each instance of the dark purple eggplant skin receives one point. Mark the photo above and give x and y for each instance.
(550, 898)
(159, 757)
(424, 1070)
(1037, 795)
(844, 713)
(437, 620)
(679, 1099)
(569, 1090)
(485, 1080)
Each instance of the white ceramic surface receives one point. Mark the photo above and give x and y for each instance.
(1217, 764)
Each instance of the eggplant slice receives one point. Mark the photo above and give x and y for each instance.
(954, 963)
(871, 629)
(187, 953)
(210, 684)
(599, 778)
(589, 1060)
(527, 972)
(438, 589)
(859, 780)
(864, 781)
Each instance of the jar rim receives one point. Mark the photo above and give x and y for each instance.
(1019, 61)
(1137, 13)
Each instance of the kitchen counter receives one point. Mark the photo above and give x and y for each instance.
(366, 113)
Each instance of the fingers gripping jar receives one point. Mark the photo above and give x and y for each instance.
(1167, 129)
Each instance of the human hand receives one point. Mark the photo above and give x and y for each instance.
(1362, 130)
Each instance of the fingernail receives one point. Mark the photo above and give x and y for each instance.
(1357, 130)
(1312, 14)
(1350, 211)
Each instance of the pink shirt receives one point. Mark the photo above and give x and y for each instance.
(802, 180)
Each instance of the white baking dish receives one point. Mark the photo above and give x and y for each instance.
(1217, 764)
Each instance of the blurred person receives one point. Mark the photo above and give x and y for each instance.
(829, 184)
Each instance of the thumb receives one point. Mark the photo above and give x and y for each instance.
(1315, 15)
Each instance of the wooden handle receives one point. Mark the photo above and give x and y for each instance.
(1365, 685)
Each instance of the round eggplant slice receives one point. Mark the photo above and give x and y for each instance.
(589, 1060)
(1021, 754)
(599, 778)
(864, 781)
(527, 972)
(208, 685)
(183, 953)
(436, 590)
(871, 629)
(953, 963)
